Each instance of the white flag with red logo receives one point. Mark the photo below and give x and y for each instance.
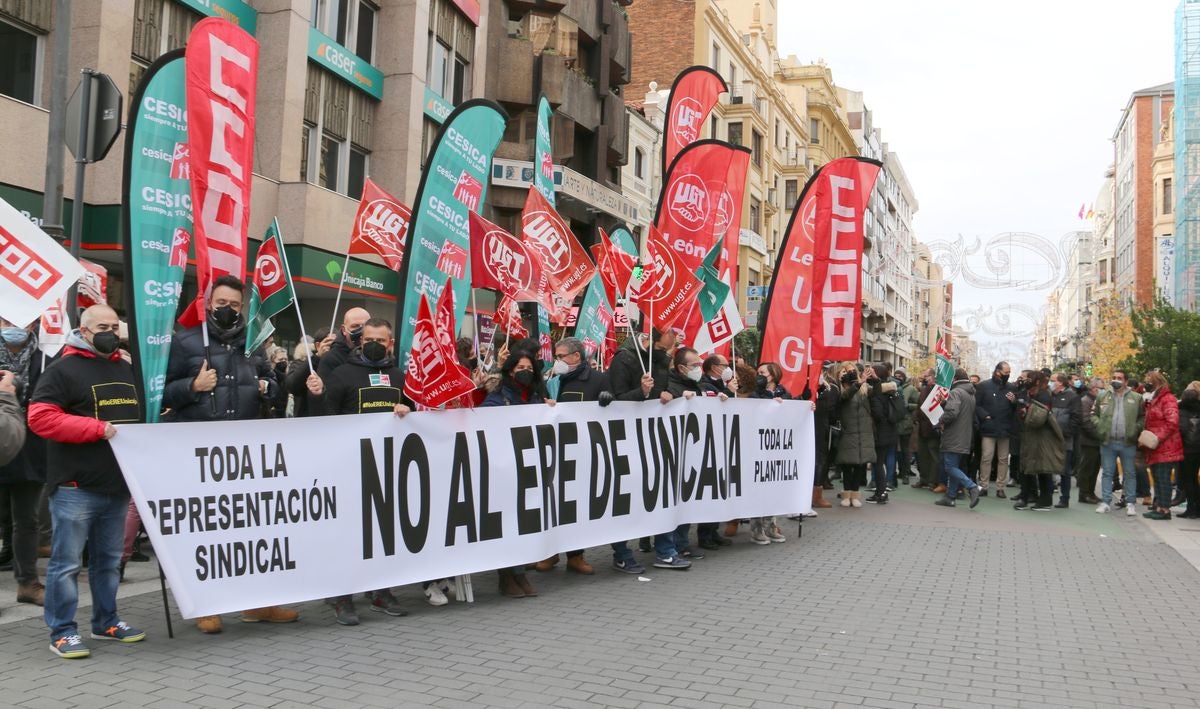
(52, 330)
(381, 226)
(667, 286)
(34, 269)
(721, 328)
(93, 285)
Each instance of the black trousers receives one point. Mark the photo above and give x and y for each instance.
(1189, 485)
(1038, 489)
(22, 500)
(854, 477)
(1087, 468)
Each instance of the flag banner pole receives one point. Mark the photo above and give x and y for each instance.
(308, 348)
(475, 329)
(338, 300)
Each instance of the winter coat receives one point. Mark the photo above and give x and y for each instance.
(1088, 435)
(825, 414)
(296, 383)
(677, 384)
(1135, 414)
(779, 393)
(957, 422)
(12, 428)
(625, 372)
(857, 443)
(1065, 406)
(881, 416)
(337, 355)
(29, 463)
(994, 413)
(1043, 451)
(911, 401)
(583, 384)
(1162, 419)
(1189, 416)
(508, 394)
(237, 394)
(710, 386)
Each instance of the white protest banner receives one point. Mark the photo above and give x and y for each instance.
(34, 269)
(932, 408)
(246, 514)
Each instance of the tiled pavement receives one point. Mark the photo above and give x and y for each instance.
(897, 606)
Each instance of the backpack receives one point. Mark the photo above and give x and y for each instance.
(899, 409)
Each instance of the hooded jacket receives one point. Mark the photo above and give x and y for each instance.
(28, 463)
(625, 372)
(1162, 419)
(236, 395)
(1042, 446)
(857, 443)
(957, 420)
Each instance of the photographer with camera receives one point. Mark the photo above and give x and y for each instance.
(24, 473)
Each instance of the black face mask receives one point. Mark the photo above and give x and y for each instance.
(849, 378)
(106, 342)
(374, 351)
(524, 377)
(355, 335)
(760, 381)
(224, 317)
(1003, 378)
(473, 363)
(281, 367)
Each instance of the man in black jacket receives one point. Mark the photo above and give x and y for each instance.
(348, 338)
(628, 371)
(220, 383)
(995, 405)
(1065, 405)
(717, 374)
(368, 382)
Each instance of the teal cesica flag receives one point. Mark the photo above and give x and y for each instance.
(453, 185)
(543, 181)
(591, 326)
(157, 218)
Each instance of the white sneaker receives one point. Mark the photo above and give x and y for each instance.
(1130, 510)
(434, 595)
(1102, 508)
(808, 514)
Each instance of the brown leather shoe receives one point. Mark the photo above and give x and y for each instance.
(579, 565)
(509, 586)
(546, 564)
(210, 624)
(818, 501)
(270, 614)
(731, 529)
(939, 489)
(34, 593)
(525, 586)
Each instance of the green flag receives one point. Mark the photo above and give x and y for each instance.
(713, 291)
(270, 291)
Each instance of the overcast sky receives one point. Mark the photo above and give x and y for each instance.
(1002, 115)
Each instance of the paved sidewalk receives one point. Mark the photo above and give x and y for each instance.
(897, 606)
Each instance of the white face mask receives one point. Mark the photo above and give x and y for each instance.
(1147, 395)
(560, 367)
(695, 373)
(727, 375)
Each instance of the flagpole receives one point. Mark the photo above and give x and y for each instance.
(341, 285)
(308, 346)
(475, 330)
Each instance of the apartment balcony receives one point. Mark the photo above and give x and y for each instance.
(585, 14)
(516, 66)
(617, 121)
(622, 47)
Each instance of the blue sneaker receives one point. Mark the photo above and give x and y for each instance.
(121, 632)
(672, 562)
(70, 647)
(629, 566)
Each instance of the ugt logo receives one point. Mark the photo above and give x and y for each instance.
(507, 260)
(542, 232)
(686, 120)
(689, 202)
(180, 165)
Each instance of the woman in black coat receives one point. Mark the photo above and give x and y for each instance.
(883, 415)
(1189, 429)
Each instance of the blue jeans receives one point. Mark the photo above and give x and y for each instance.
(957, 478)
(664, 545)
(1064, 480)
(1109, 452)
(622, 552)
(98, 520)
(682, 532)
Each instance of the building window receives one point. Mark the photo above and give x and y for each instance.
(351, 23)
(451, 48)
(814, 131)
(713, 125)
(20, 52)
(756, 147)
(639, 163)
(1168, 196)
(755, 215)
(735, 132)
(778, 134)
(789, 193)
(337, 138)
(716, 56)
(158, 27)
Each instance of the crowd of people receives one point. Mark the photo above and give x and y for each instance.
(63, 494)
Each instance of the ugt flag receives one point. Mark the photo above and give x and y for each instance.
(270, 291)
(434, 376)
(381, 226)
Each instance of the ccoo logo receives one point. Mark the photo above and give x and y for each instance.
(688, 204)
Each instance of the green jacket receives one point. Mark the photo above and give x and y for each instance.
(857, 442)
(1102, 415)
(1043, 450)
(912, 399)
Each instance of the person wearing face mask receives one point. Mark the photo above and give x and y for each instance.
(278, 359)
(717, 377)
(766, 382)
(637, 374)
(23, 476)
(577, 381)
(369, 382)
(1065, 404)
(687, 371)
(1118, 416)
(345, 341)
(995, 408)
(956, 423)
(856, 447)
(1087, 455)
(75, 407)
(1043, 449)
(929, 452)
(1161, 441)
(520, 385)
(220, 383)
